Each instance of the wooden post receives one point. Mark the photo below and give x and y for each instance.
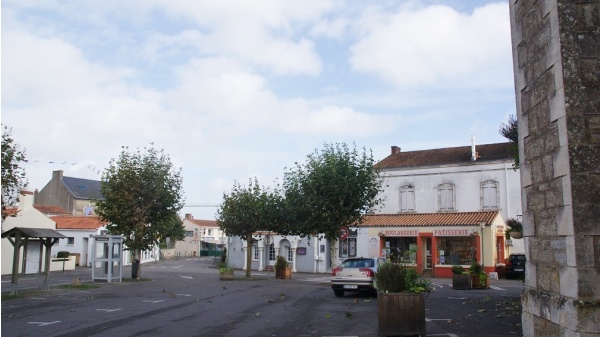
(16, 259)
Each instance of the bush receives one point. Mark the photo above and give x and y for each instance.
(476, 269)
(62, 255)
(457, 270)
(397, 278)
(281, 262)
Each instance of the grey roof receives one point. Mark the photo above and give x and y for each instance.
(33, 232)
(83, 188)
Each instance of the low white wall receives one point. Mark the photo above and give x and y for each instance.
(57, 264)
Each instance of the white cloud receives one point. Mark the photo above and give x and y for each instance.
(437, 45)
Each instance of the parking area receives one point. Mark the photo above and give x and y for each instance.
(186, 297)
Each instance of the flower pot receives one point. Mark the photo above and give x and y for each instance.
(481, 281)
(401, 314)
(226, 275)
(283, 273)
(461, 281)
(516, 235)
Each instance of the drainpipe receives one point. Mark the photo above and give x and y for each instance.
(507, 190)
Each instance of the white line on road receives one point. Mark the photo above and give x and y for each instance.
(178, 266)
(38, 298)
(158, 301)
(497, 288)
(186, 277)
(188, 295)
(43, 323)
(109, 310)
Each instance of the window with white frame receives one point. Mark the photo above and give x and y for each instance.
(290, 256)
(272, 252)
(446, 197)
(489, 194)
(70, 240)
(407, 199)
(255, 250)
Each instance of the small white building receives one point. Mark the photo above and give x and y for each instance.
(308, 254)
(79, 231)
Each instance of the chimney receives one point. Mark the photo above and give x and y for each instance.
(473, 153)
(57, 175)
(189, 216)
(395, 149)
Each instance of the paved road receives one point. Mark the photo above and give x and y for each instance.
(186, 298)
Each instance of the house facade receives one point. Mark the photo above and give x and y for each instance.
(32, 254)
(309, 254)
(202, 238)
(458, 179)
(79, 231)
(75, 195)
(431, 242)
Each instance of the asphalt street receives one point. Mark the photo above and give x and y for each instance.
(186, 298)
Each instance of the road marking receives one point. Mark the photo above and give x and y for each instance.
(457, 298)
(187, 295)
(157, 301)
(43, 323)
(497, 288)
(178, 266)
(109, 310)
(189, 277)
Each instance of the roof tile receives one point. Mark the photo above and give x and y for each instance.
(428, 219)
(449, 155)
(78, 222)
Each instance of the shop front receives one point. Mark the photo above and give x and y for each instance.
(433, 243)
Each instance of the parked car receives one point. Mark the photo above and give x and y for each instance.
(355, 275)
(515, 266)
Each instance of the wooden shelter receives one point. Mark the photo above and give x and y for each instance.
(18, 237)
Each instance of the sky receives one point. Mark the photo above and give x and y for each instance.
(232, 89)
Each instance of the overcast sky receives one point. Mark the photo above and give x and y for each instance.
(235, 89)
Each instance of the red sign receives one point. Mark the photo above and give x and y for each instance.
(344, 233)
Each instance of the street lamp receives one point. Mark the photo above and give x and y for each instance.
(482, 225)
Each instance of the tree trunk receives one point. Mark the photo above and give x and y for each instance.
(249, 254)
(136, 265)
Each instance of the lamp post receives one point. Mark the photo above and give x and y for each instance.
(482, 225)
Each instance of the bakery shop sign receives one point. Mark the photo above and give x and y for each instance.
(399, 232)
(454, 232)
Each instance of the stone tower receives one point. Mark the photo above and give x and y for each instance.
(556, 57)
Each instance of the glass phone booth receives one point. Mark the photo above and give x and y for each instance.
(107, 261)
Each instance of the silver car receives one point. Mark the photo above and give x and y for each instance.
(356, 275)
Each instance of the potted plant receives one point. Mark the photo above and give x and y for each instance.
(514, 230)
(401, 300)
(460, 279)
(282, 268)
(479, 279)
(225, 272)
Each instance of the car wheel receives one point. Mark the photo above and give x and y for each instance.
(338, 293)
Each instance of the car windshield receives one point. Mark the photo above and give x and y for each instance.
(358, 263)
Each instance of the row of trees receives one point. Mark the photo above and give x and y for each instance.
(336, 187)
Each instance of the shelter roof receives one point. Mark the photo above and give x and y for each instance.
(429, 219)
(33, 233)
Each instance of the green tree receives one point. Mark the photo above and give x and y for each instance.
(336, 187)
(246, 210)
(510, 131)
(142, 196)
(13, 174)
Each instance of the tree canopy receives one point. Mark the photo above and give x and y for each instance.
(13, 174)
(142, 195)
(336, 187)
(510, 131)
(246, 210)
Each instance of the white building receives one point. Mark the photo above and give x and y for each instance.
(202, 238)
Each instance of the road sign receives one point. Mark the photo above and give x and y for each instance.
(344, 233)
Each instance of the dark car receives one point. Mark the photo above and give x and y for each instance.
(515, 266)
(355, 275)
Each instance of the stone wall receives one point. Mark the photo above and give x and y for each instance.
(556, 53)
